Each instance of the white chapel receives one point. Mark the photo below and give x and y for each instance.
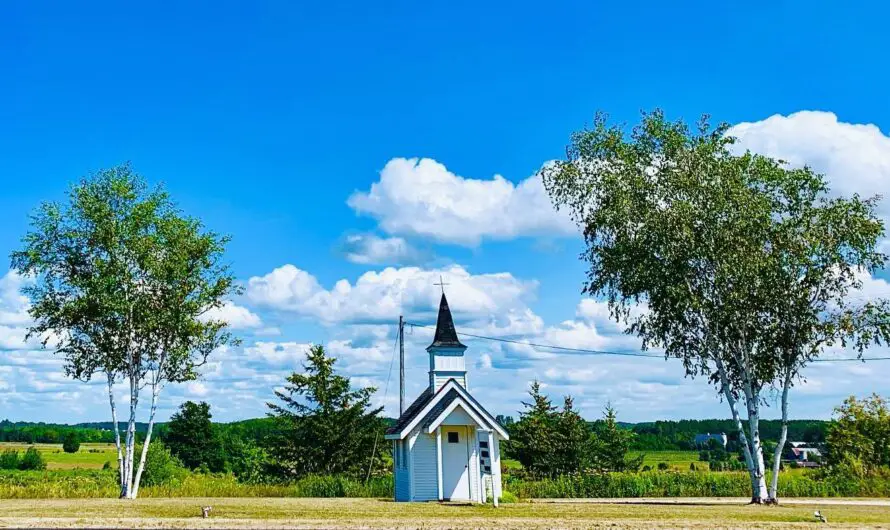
(445, 444)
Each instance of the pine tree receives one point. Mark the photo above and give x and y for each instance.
(533, 438)
(571, 440)
(323, 425)
(610, 444)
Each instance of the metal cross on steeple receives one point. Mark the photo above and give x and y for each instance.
(441, 284)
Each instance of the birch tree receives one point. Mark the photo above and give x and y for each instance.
(124, 283)
(742, 264)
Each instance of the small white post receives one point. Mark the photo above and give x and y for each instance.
(494, 489)
(439, 461)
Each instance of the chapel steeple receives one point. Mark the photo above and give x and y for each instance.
(445, 335)
(446, 351)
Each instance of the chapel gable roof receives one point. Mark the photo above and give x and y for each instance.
(429, 406)
(413, 410)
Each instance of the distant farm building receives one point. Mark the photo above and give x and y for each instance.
(803, 452)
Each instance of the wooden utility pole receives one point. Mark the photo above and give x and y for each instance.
(401, 365)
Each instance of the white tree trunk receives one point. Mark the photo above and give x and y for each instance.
(780, 447)
(750, 451)
(759, 477)
(131, 438)
(117, 432)
(156, 390)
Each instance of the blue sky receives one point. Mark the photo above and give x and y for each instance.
(359, 142)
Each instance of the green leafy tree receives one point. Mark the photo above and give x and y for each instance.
(610, 445)
(71, 443)
(161, 467)
(246, 460)
(125, 288)
(742, 265)
(324, 426)
(858, 439)
(190, 436)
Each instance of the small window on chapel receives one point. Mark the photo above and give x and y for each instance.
(453, 438)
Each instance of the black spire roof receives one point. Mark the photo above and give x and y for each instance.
(446, 335)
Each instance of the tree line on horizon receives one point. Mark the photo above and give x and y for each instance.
(658, 435)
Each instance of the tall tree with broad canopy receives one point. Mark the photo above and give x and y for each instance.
(124, 284)
(191, 437)
(323, 425)
(742, 264)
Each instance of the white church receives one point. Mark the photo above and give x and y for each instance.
(445, 444)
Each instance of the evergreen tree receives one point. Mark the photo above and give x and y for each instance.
(532, 441)
(323, 425)
(571, 442)
(610, 444)
(548, 441)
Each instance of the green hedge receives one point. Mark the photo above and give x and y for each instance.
(88, 484)
(73, 484)
(692, 484)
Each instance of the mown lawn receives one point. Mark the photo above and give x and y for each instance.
(90, 456)
(375, 513)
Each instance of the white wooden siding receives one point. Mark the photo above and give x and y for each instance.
(426, 479)
(403, 485)
(458, 416)
(401, 474)
(439, 379)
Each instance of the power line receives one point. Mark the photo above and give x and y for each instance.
(561, 348)
(618, 353)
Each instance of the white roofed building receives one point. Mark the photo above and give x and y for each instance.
(445, 444)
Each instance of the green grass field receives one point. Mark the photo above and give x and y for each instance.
(679, 460)
(90, 456)
(376, 513)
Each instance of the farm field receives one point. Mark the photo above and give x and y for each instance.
(679, 460)
(90, 455)
(376, 513)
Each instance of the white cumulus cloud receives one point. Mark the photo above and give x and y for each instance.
(380, 297)
(370, 249)
(421, 197)
(236, 316)
(854, 157)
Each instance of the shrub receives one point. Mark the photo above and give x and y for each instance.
(32, 460)
(663, 466)
(9, 459)
(162, 468)
(71, 443)
(508, 498)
